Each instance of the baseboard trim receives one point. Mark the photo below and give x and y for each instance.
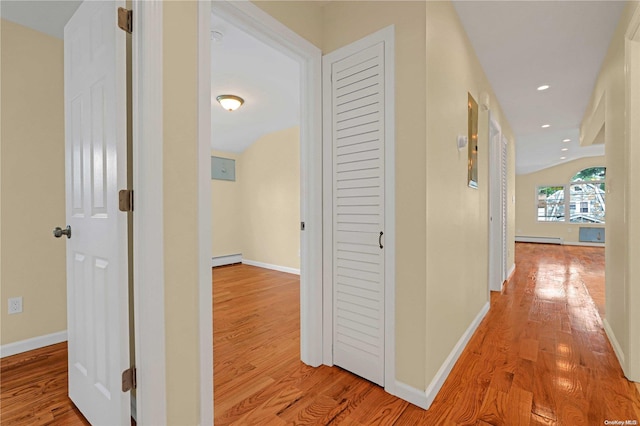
(33, 343)
(512, 271)
(229, 259)
(542, 240)
(447, 366)
(270, 266)
(410, 394)
(614, 342)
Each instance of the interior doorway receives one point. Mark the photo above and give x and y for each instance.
(263, 27)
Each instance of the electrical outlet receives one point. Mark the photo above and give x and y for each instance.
(15, 305)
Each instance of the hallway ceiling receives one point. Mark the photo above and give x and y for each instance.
(525, 44)
(521, 45)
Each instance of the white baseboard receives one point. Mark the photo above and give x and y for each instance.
(511, 271)
(270, 266)
(447, 366)
(614, 342)
(33, 343)
(410, 394)
(229, 259)
(543, 240)
(585, 244)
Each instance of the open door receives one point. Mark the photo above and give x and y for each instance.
(95, 164)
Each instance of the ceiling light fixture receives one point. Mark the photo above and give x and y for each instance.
(543, 87)
(230, 102)
(563, 158)
(564, 149)
(544, 126)
(566, 140)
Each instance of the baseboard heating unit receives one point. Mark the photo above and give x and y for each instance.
(541, 240)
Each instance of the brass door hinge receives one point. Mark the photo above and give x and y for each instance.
(125, 19)
(125, 200)
(129, 379)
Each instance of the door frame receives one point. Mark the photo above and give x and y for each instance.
(148, 221)
(387, 36)
(254, 21)
(496, 191)
(632, 82)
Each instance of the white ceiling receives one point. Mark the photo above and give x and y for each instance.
(48, 17)
(520, 44)
(524, 44)
(267, 80)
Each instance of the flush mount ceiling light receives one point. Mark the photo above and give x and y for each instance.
(566, 140)
(563, 158)
(564, 149)
(544, 126)
(230, 102)
(543, 87)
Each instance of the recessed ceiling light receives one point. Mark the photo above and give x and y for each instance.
(544, 126)
(543, 87)
(563, 158)
(566, 140)
(564, 149)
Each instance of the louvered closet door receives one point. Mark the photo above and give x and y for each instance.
(358, 212)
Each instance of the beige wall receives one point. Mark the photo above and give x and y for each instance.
(435, 68)
(270, 199)
(304, 17)
(258, 215)
(226, 229)
(622, 271)
(32, 183)
(457, 216)
(180, 198)
(344, 23)
(527, 224)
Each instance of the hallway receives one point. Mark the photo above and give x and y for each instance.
(540, 357)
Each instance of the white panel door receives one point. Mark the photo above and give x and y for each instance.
(95, 162)
(358, 152)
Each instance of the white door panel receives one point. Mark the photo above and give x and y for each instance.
(358, 143)
(97, 278)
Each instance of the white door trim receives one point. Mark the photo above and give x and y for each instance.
(205, 296)
(248, 17)
(495, 203)
(632, 71)
(387, 36)
(148, 219)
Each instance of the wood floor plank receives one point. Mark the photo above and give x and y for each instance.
(540, 357)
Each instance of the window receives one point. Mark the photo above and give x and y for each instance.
(551, 203)
(585, 199)
(587, 190)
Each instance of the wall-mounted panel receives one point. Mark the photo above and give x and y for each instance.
(223, 168)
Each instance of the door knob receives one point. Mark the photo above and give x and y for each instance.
(59, 232)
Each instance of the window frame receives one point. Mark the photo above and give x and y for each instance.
(537, 194)
(568, 202)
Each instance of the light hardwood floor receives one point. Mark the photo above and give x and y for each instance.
(539, 357)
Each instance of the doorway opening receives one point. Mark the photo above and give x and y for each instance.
(256, 214)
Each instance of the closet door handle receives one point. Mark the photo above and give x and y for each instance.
(380, 239)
